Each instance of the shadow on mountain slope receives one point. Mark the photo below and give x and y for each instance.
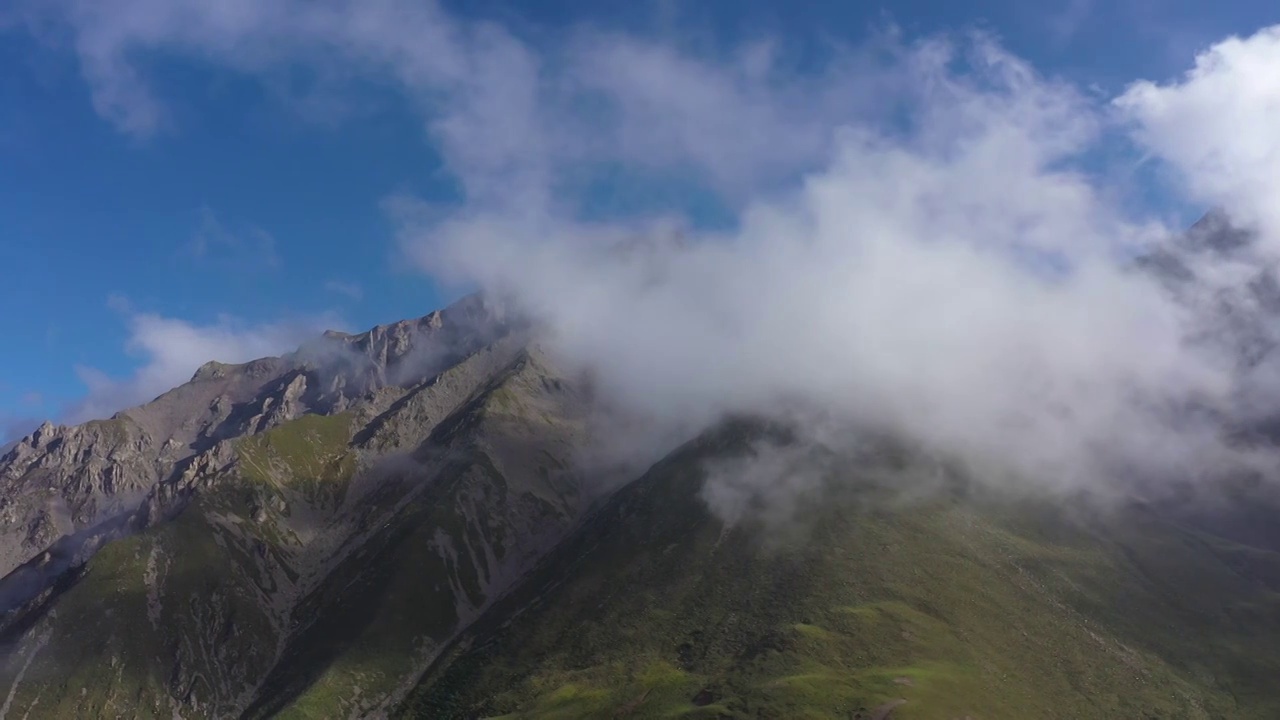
(957, 604)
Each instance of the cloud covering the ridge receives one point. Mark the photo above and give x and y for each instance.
(956, 277)
(927, 238)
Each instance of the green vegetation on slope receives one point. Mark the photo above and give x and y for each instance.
(387, 608)
(309, 454)
(180, 610)
(857, 604)
(168, 613)
(957, 607)
(107, 598)
(368, 622)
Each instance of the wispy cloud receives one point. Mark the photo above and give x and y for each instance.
(15, 427)
(245, 247)
(1066, 23)
(349, 290)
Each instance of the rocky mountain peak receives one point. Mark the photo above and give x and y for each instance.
(59, 480)
(1217, 232)
(42, 435)
(211, 370)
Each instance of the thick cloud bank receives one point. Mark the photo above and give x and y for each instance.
(956, 277)
(1217, 127)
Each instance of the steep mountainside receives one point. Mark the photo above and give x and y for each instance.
(868, 603)
(303, 542)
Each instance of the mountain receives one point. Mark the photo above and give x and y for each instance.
(411, 522)
(292, 535)
(1213, 270)
(869, 603)
(62, 480)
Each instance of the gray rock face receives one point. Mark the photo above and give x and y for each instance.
(1232, 292)
(61, 480)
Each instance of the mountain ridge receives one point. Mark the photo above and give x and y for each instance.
(409, 522)
(164, 436)
(294, 460)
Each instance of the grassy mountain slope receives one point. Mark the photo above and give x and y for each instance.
(312, 577)
(941, 607)
(441, 554)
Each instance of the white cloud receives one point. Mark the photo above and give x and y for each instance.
(954, 282)
(738, 123)
(514, 123)
(899, 287)
(1217, 127)
(171, 350)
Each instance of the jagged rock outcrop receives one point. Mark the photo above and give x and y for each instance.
(60, 480)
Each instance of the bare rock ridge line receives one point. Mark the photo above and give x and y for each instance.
(64, 491)
(61, 480)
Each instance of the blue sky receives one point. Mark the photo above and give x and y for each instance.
(259, 202)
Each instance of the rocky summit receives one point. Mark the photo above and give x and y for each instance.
(403, 523)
